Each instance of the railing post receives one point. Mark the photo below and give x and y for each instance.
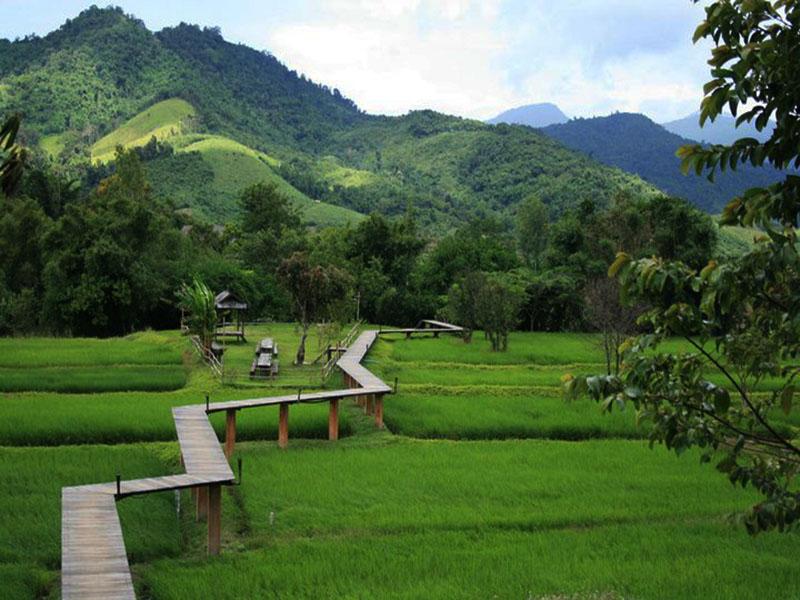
(333, 419)
(201, 510)
(214, 492)
(230, 432)
(379, 410)
(283, 426)
(368, 404)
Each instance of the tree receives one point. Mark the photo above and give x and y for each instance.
(532, 230)
(382, 255)
(270, 227)
(198, 301)
(481, 245)
(315, 291)
(12, 156)
(740, 319)
(497, 305)
(110, 261)
(553, 302)
(461, 305)
(606, 314)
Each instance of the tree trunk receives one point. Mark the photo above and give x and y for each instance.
(301, 349)
(607, 349)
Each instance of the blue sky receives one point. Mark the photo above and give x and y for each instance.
(465, 57)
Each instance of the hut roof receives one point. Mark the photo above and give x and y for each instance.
(229, 301)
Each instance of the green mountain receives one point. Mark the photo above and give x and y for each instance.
(225, 115)
(636, 144)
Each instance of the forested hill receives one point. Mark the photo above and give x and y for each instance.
(226, 115)
(636, 144)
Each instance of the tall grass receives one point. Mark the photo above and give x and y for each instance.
(73, 380)
(514, 519)
(21, 581)
(413, 485)
(664, 561)
(31, 499)
(83, 352)
(498, 416)
(47, 419)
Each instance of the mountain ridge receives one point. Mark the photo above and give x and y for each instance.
(87, 79)
(636, 144)
(535, 115)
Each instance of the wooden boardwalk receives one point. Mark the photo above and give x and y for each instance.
(94, 564)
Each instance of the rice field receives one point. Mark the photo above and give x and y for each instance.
(485, 483)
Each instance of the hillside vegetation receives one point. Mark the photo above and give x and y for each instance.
(103, 79)
(164, 120)
(636, 144)
(204, 172)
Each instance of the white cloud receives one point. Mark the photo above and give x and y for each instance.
(477, 58)
(389, 61)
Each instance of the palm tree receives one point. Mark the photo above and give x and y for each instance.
(12, 156)
(198, 301)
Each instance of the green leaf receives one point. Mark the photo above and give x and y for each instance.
(621, 260)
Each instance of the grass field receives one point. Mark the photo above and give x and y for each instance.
(144, 362)
(164, 120)
(485, 484)
(523, 519)
(233, 166)
(236, 166)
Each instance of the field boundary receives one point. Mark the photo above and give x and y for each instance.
(94, 562)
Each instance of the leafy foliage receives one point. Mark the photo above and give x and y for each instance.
(108, 265)
(314, 290)
(13, 156)
(103, 79)
(198, 301)
(741, 317)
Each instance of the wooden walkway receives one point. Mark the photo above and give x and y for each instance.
(94, 564)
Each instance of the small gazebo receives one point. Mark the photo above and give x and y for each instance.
(230, 315)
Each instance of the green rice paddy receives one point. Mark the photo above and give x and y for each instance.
(485, 484)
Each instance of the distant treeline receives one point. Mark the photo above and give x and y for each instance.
(107, 257)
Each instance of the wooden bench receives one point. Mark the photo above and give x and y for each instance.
(265, 363)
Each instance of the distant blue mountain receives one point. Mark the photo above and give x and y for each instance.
(722, 131)
(532, 115)
(634, 143)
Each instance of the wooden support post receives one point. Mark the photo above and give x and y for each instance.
(436, 334)
(201, 502)
(230, 433)
(368, 404)
(379, 410)
(214, 492)
(408, 335)
(333, 420)
(283, 426)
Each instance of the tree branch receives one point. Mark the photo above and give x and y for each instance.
(788, 445)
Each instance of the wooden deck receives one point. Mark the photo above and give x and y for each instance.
(426, 326)
(94, 563)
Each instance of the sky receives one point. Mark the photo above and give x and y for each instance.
(473, 58)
